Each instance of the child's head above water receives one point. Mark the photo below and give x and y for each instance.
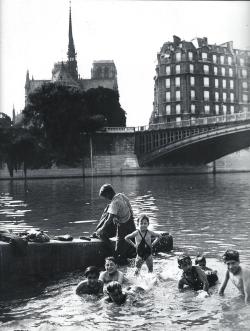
(143, 222)
(232, 259)
(231, 255)
(200, 260)
(110, 264)
(114, 290)
(184, 262)
(92, 274)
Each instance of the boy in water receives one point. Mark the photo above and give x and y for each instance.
(111, 273)
(115, 294)
(143, 243)
(192, 276)
(91, 285)
(212, 277)
(239, 276)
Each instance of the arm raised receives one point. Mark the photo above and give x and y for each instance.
(131, 236)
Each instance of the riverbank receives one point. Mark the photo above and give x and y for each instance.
(127, 165)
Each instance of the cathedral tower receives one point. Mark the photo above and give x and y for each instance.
(72, 63)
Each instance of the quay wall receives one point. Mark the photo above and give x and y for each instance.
(114, 155)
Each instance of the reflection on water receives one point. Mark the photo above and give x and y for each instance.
(206, 214)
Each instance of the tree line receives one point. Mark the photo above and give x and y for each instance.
(55, 125)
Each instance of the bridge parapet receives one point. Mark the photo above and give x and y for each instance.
(199, 121)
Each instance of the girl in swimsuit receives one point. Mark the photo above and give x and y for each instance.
(143, 243)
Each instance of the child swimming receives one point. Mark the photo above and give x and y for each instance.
(193, 276)
(91, 285)
(115, 294)
(143, 243)
(239, 276)
(111, 273)
(212, 277)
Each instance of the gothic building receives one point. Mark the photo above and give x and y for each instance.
(103, 73)
(196, 79)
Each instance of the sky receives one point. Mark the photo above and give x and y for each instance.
(34, 35)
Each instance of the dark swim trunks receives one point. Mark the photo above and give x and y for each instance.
(143, 249)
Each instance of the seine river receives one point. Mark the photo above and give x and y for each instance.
(204, 213)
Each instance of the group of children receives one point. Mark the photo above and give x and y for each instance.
(196, 277)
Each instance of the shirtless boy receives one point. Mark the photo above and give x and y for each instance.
(193, 276)
(143, 243)
(111, 273)
(91, 285)
(239, 275)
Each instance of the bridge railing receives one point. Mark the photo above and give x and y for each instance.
(197, 122)
(182, 124)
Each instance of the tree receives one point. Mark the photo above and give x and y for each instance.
(105, 102)
(59, 114)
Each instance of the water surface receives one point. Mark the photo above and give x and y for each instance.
(204, 213)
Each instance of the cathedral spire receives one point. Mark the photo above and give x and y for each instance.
(72, 64)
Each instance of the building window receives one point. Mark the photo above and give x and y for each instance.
(177, 69)
(167, 82)
(214, 58)
(177, 81)
(223, 71)
(178, 56)
(232, 109)
(242, 62)
(192, 81)
(244, 97)
(245, 109)
(191, 68)
(231, 97)
(216, 96)
(168, 70)
(204, 56)
(216, 82)
(206, 69)
(244, 84)
(230, 72)
(224, 83)
(178, 95)
(222, 59)
(244, 73)
(206, 81)
(190, 56)
(224, 108)
(229, 60)
(168, 110)
(217, 109)
(168, 96)
(178, 119)
(231, 84)
(215, 70)
(178, 109)
(224, 96)
(207, 109)
(192, 94)
(206, 95)
(192, 108)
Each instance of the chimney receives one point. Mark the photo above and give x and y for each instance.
(177, 40)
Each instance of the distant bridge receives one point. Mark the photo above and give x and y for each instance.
(196, 141)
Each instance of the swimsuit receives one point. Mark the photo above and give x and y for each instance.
(143, 249)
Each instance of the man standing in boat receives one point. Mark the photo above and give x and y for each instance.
(118, 220)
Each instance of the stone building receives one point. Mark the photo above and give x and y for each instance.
(196, 79)
(103, 73)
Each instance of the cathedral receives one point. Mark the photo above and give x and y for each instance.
(103, 72)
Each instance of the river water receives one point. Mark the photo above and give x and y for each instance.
(204, 213)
